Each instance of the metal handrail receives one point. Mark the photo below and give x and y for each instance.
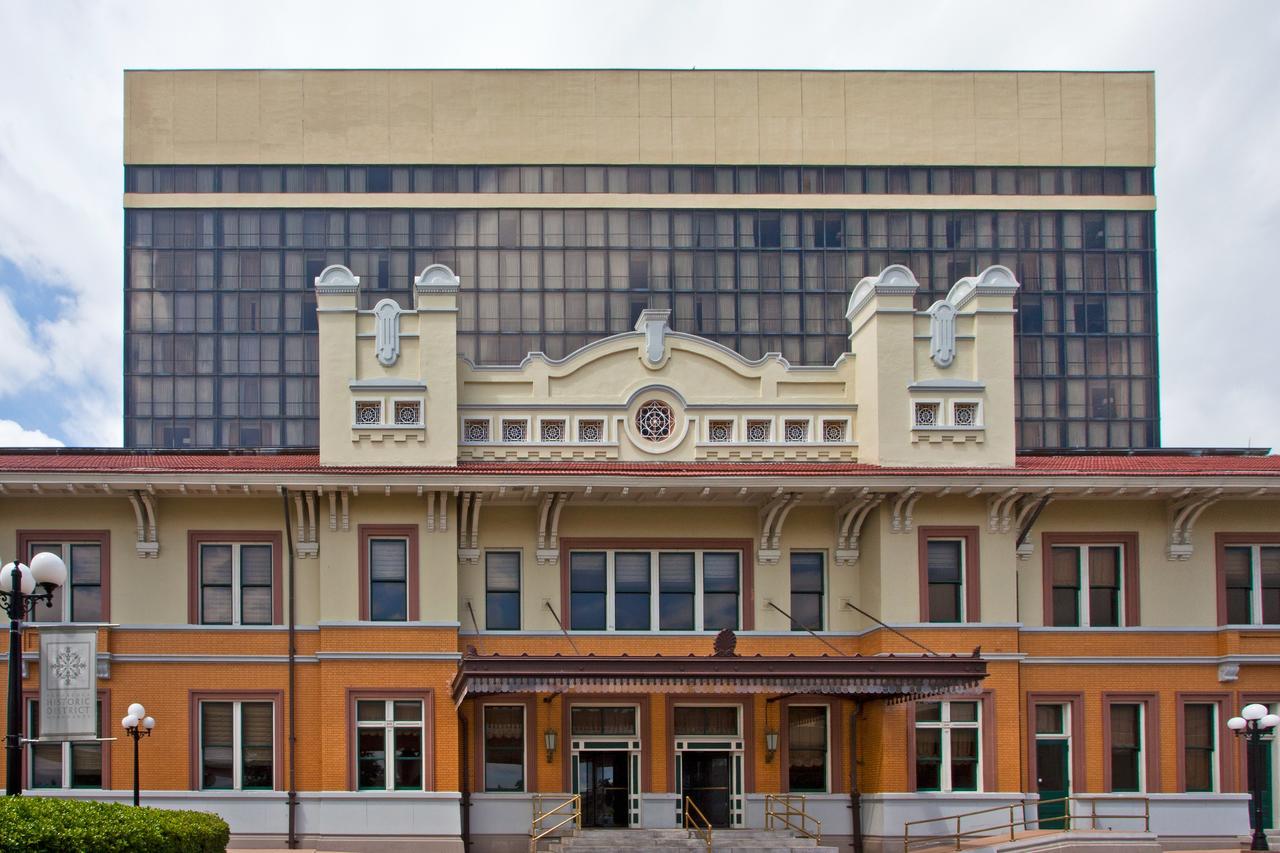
(773, 815)
(691, 808)
(537, 828)
(1068, 819)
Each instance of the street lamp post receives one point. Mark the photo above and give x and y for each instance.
(19, 598)
(137, 725)
(1256, 726)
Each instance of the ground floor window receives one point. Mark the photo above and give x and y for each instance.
(948, 756)
(237, 745)
(1126, 746)
(504, 747)
(1200, 745)
(389, 743)
(807, 748)
(62, 765)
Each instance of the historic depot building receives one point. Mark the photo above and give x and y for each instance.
(647, 566)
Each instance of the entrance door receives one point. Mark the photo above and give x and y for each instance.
(705, 779)
(1053, 758)
(602, 782)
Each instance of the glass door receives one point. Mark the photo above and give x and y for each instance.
(1053, 763)
(602, 782)
(706, 779)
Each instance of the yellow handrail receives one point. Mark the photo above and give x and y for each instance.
(1067, 819)
(778, 808)
(537, 827)
(690, 810)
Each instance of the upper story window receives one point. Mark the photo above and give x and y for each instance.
(1090, 580)
(236, 583)
(82, 597)
(807, 591)
(948, 752)
(502, 591)
(1251, 584)
(946, 570)
(1087, 582)
(388, 579)
(654, 590)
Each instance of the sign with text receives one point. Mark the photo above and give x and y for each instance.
(68, 683)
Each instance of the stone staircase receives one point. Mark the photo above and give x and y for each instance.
(646, 840)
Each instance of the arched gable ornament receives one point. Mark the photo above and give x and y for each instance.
(942, 333)
(386, 317)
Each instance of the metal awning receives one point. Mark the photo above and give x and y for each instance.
(891, 677)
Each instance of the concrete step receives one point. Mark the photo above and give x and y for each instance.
(646, 840)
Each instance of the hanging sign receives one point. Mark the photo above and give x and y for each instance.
(68, 683)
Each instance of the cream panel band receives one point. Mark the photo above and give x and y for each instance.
(640, 117)
(640, 201)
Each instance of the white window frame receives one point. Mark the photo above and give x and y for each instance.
(1255, 580)
(939, 419)
(29, 704)
(1063, 735)
(978, 422)
(1142, 746)
(237, 742)
(68, 589)
(610, 620)
(565, 425)
(367, 401)
(826, 764)
(1082, 569)
(388, 725)
(1215, 761)
(389, 416)
(235, 580)
(964, 577)
(946, 725)
(462, 433)
(577, 426)
(524, 744)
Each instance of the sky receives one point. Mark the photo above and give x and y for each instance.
(1216, 64)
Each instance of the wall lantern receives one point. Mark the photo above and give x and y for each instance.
(549, 736)
(770, 745)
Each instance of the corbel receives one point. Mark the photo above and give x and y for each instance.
(1182, 514)
(764, 553)
(147, 544)
(903, 510)
(851, 518)
(468, 528)
(431, 511)
(549, 526)
(346, 510)
(1029, 510)
(333, 509)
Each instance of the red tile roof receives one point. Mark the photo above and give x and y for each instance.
(122, 462)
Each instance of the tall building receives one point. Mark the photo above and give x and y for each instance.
(632, 566)
(746, 203)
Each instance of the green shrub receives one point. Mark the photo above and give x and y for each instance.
(47, 825)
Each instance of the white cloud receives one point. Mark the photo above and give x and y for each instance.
(1217, 178)
(13, 434)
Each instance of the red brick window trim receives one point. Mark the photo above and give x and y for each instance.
(64, 537)
(1223, 541)
(196, 539)
(275, 697)
(408, 532)
(1222, 752)
(1129, 594)
(425, 696)
(971, 595)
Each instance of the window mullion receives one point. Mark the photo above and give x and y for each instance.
(235, 585)
(698, 623)
(1255, 579)
(237, 744)
(609, 591)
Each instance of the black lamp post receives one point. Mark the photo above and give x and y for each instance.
(19, 598)
(1255, 725)
(137, 725)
